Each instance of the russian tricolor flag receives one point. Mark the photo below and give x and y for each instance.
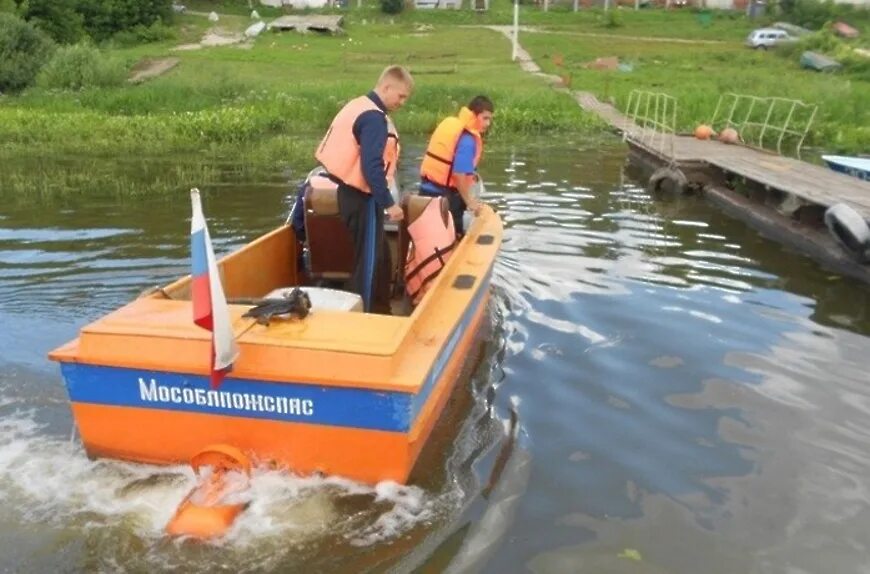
(210, 310)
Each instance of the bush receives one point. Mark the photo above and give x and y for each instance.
(140, 34)
(81, 66)
(58, 18)
(23, 51)
(392, 6)
(105, 18)
(611, 19)
(813, 14)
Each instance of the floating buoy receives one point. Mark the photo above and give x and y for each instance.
(850, 230)
(729, 136)
(703, 132)
(212, 506)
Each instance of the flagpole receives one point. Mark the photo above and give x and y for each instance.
(210, 309)
(516, 33)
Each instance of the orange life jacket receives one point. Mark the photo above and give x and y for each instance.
(432, 241)
(437, 164)
(339, 151)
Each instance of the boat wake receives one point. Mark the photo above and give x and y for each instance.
(48, 480)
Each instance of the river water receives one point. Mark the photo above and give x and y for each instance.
(662, 389)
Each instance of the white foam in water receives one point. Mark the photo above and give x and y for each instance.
(410, 507)
(50, 480)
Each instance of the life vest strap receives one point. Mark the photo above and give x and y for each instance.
(444, 188)
(437, 157)
(423, 284)
(437, 255)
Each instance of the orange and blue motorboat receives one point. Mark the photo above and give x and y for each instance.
(338, 391)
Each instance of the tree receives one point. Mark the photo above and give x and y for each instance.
(23, 50)
(58, 18)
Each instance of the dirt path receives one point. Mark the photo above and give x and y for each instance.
(151, 68)
(585, 100)
(523, 57)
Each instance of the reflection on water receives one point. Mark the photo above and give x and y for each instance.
(685, 395)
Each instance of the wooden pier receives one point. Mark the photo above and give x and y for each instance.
(812, 183)
(787, 197)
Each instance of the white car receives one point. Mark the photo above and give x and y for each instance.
(765, 38)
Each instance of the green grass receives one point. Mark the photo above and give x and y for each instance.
(37, 176)
(698, 74)
(221, 98)
(265, 106)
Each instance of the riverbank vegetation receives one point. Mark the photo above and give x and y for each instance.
(698, 74)
(264, 101)
(230, 97)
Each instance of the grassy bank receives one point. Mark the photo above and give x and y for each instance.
(698, 74)
(264, 105)
(230, 98)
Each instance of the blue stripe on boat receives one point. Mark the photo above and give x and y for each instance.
(289, 402)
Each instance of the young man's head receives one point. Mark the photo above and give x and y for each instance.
(482, 107)
(394, 87)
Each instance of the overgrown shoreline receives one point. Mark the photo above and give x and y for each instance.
(220, 99)
(252, 103)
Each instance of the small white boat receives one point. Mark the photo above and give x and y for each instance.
(855, 166)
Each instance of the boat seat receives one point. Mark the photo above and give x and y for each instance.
(330, 247)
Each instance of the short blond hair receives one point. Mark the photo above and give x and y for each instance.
(397, 74)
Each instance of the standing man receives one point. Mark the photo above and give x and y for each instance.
(451, 159)
(360, 152)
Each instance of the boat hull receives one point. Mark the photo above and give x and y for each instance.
(337, 392)
(854, 166)
(365, 434)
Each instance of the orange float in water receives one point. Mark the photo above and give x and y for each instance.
(212, 506)
(703, 132)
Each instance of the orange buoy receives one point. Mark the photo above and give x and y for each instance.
(703, 132)
(212, 506)
(729, 136)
